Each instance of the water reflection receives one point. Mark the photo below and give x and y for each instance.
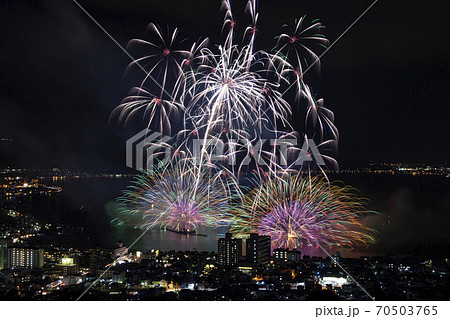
(166, 240)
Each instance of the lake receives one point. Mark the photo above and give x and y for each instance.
(414, 214)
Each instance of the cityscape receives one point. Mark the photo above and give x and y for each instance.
(180, 153)
(38, 263)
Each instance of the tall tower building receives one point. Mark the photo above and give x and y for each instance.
(258, 249)
(229, 250)
(336, 258)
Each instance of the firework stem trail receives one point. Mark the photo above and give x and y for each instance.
(208, 128)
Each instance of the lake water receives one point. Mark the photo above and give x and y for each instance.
(414, 215)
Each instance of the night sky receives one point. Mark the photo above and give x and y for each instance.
(386, 80)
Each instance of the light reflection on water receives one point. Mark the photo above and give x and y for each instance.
(413, 212)
(166, 240)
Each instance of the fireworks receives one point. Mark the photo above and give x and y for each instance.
(234, 96)
(167, 197)
(227, 92)
(231, 91)
(296, 211)
(296, 46)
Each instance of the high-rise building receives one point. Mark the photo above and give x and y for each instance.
(294, 256)
(280, 255)
(17, 257)
(229, 250)
(336, 258)
(286, 255)
(258, 249)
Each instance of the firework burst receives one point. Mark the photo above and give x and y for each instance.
(231, 97)
(296, 211)
(167, 197)
(231, 87)
(227, 92)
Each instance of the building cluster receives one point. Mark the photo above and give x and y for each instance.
(21, 187)
(241, 270)
(18, 257)
(38, 261)
(231, 252)
(55, 174)
(401, 169)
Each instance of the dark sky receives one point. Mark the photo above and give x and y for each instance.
(386, 80)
